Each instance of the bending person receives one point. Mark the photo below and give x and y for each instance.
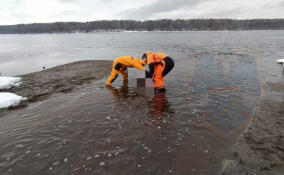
(120, 66)
(159, 66)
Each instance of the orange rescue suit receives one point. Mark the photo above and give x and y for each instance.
(120, 65)
(157, 64)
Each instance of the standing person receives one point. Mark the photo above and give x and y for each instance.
(120, 66)
(159, 66)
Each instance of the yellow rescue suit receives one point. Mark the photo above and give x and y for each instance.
(120, 66)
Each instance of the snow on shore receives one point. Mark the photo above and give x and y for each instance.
(281, 61)
(8, 82)
(8, 99)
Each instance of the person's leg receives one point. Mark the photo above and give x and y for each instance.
(112, 77)
(169, 65)
(158, 78)
(124, 73)
(114, 73)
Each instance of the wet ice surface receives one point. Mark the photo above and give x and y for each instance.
(190, 129)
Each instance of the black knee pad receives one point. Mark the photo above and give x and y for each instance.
(117, 66)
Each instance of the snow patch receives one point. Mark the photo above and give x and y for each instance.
(281, 61)
(8, 82)
(8, 99)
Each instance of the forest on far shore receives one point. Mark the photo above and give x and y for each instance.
(149, 25)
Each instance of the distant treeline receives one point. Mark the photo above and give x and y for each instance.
(150, 25)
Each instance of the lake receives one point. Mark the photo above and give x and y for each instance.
(212, 92)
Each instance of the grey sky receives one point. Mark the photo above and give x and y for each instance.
(30, 11)
(158, 7)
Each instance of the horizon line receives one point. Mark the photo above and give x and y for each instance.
(234, 19)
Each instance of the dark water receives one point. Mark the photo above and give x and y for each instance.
(190, 129)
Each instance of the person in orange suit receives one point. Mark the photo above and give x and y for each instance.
(120, 66)
(159, 66)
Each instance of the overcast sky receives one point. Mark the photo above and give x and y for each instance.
(31, 11)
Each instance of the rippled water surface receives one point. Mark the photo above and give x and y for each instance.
(190, 129)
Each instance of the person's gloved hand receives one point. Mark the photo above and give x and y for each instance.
(147, 74)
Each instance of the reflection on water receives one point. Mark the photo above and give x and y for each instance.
(160, 110)
(158, 105)
(229, 92)
(123, 92)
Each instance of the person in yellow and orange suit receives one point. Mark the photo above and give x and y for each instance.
(120, 66)
(159, 66)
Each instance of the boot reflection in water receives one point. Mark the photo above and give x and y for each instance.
(160, 104)
(122, 92)
(159, 107)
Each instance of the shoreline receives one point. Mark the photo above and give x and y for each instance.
(65, 78)
(144, 31)
(260, 148)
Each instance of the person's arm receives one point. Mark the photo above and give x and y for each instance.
(139, 67)
(138, 64)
